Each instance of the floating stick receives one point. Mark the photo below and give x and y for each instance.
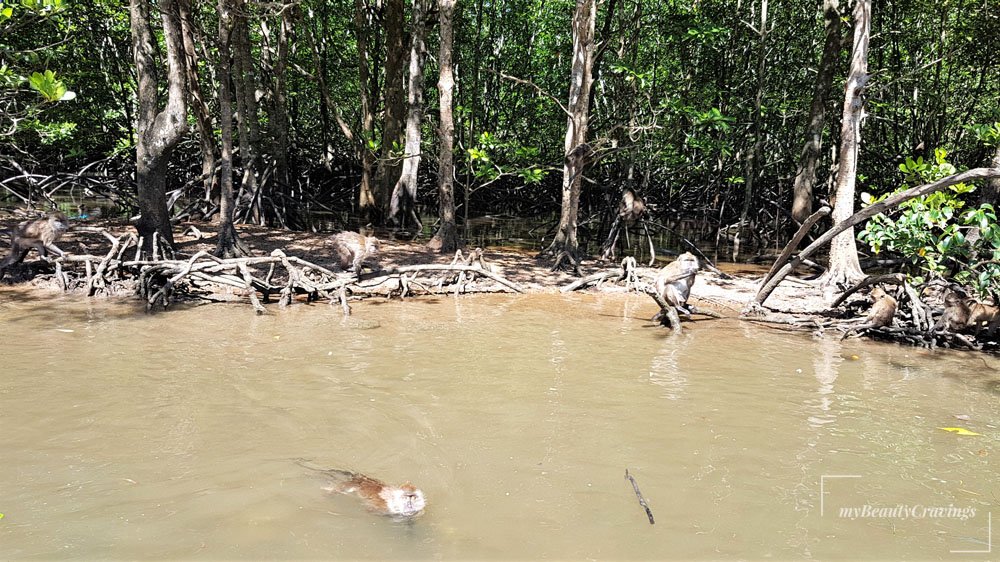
(638, 494)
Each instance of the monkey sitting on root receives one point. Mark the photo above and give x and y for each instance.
(881, 313)
(673, 285)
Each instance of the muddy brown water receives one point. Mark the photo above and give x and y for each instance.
(171, 436)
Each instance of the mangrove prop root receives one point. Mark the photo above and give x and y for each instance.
(638, 494)
(158, 280)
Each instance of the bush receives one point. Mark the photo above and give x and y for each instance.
(936, 234)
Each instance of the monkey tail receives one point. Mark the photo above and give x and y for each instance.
(334, 473)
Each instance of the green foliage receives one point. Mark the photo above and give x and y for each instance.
(935, 233)
(123, 146)
(632, 75)
(20, 53)
(43, 7)
(708, 33)
(50, 87)
(712, 119)
(987, 134)
(489, 158)
(674, 98)
(51, 133)
(8, 78)
(34, 7)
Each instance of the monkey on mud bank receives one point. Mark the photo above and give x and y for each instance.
(354, 250)
(40, 234)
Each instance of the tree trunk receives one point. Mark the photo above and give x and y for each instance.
(404, 193)
(388, 169)
(844, 266)
(228, 245)
(367, 205)
(805, 177)
(197, 101)
(446, 238)
(279, 105)
(245, 83)
(158, 131)
(565, 244)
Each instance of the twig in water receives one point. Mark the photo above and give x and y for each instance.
(638, 494)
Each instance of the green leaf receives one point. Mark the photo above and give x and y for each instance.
(50, 87)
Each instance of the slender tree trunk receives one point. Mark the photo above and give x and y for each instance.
(388, 164)
(245, 82)
(805, 177)
(844, 266)
(404, 193)
(279, 107)
(366, 195)
(229, 244)
(197, 101)
(578, 152)
(158, 131)
(446, 238)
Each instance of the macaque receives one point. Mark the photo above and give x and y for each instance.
(956, 313)
(401, 501)
(40, 234)
(674, 281)
(631, 207)
(405, 500)
(980, 313)
(881, 313)
(355, 250)
(883, 309)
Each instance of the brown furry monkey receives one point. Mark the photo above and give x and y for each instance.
(40, 234)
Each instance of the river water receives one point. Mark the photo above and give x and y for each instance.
(173, 435)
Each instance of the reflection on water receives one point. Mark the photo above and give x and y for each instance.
(172, 435)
